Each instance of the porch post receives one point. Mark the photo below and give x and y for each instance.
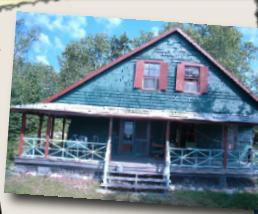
(40, 128)
(21, 141)
(63, 129)
(49, 122)
(167, 156)
(110, 129)
(108, 152)
(52, 128)
(225, 145)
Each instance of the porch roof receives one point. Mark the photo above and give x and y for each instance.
(63, 109)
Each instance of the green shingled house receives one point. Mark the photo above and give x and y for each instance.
(167, 107)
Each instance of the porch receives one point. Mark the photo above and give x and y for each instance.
(118, 147)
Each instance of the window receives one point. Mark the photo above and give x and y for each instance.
(151, 75)
(192, 78)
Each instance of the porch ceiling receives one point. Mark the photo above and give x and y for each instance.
(63, 109)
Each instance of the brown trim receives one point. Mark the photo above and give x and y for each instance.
(49, 122)
(92, 74)
(52, 128)
(41, 117)
(22, 133)
(63, 128)
(225, 145)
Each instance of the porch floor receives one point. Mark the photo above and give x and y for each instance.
(151, 166)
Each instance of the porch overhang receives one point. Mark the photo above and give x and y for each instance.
(63, 109)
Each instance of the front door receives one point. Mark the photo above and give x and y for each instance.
(134, 137)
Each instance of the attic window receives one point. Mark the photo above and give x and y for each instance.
(151, 75)
(192, 78)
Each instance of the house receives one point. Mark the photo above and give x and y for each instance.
(166, 107)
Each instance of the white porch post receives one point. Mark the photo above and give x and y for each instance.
(108, 152)
(167, 156)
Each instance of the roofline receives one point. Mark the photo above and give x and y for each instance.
(92, 74)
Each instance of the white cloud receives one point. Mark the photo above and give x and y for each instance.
(42, 59)
(75, 27)
(59, 44)
(109, 22)
(43, 38)
(155, 30)
(58, 23)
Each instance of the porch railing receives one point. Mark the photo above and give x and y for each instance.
(211, 158)
(196, 158)
(67, 149)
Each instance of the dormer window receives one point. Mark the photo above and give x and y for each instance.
(151, 75)
(192, 78)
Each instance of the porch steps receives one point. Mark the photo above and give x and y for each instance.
(133, 181)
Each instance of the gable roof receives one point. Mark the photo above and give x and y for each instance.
(102, 69)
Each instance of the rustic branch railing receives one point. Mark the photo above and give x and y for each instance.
(196, 158)
(67, 149)
(238, 159)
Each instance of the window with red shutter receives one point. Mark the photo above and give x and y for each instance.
(192, 78)
(151, 75)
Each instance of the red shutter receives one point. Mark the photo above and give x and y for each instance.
(204, 79)
(180, 77)
(139, 69)
(163, 82)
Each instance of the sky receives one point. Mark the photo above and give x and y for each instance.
(56, 31)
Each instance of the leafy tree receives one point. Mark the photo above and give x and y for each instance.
(142, 38)
(82, 56)
(119, 46)
(24, 38)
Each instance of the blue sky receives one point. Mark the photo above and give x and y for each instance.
(56, 31)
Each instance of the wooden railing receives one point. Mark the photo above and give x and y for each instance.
(65, 150)
(196, 158)
(211, 158)
(238, 159)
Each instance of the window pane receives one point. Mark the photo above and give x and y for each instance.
(151, 69)
(192, 72)
(146, 69)
(150, 83)
(191, 86)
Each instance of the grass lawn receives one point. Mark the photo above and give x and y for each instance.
(79, 188)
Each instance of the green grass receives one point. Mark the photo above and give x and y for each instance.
(67, 187)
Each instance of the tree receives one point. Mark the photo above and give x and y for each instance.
(83, 56)
(119, 46)
(142, 38)
(24, 38)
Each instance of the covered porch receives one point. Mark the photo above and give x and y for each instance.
(125, 142)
